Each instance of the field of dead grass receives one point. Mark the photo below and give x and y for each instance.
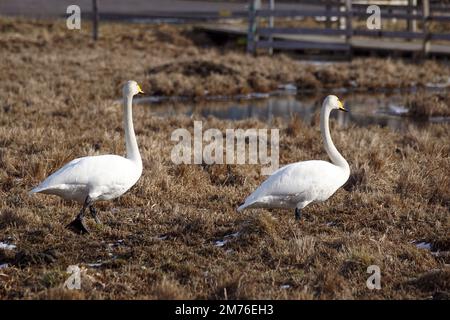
(58, 101)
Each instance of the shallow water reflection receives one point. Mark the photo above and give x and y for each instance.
(385, 110)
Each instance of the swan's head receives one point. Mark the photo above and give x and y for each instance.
(333, 102)
(131, 88)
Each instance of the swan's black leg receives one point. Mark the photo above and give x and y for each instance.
(77, 225)
(298, 214)
(93, 212)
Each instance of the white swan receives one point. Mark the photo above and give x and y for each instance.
(95, 178)
(298, 184)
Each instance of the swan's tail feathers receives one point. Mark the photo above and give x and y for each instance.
(243, 206)
(36, 190)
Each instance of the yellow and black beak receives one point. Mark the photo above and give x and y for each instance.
(139, 89)
(341, 107)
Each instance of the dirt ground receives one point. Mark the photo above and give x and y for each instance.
(59, 97)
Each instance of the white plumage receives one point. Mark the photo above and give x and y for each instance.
(298, 184)
(102, 177)
(90, 179)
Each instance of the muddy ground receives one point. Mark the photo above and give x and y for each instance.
(163, 240)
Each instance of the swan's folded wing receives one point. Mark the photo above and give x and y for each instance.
(62, 174)
(97, 170)
(301, 181)
(269, 187)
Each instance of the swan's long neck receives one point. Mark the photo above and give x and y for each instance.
(130, 138)
(335, 156)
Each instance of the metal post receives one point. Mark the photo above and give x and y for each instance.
(271, 24)
(94, 20)
(426, 35)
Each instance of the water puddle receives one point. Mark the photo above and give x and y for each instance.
(383, 109)
(95, 265)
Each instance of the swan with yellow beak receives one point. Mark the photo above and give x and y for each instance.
(105, 177)
(298, 184)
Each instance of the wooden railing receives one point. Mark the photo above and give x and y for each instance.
(346, 11)
(339, 32)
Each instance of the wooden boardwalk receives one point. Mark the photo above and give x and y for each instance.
(380, 45)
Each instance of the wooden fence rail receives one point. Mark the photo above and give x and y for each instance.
(338, 33)
(345, 11)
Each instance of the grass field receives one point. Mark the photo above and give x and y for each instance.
(59, 97)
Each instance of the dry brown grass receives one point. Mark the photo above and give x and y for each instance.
(233, 73)
(426, 105)
(170, 60)
(58, 96)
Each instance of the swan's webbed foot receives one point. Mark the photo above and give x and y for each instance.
(93, 212)
(78, 226)
(298, 214)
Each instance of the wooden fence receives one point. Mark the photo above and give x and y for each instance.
(339, 32)
(341, 38)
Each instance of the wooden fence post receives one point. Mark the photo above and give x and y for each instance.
(328, 18)
(341, 18)
(412, 23)
(94, 20)
(426, 35)
(349, 26)
(251, 33)
(271, 24)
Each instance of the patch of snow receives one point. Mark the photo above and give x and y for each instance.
(118, 243)
(221, 243)
(6, 246)
(94, 265)
(285, 286)
(4, 266)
